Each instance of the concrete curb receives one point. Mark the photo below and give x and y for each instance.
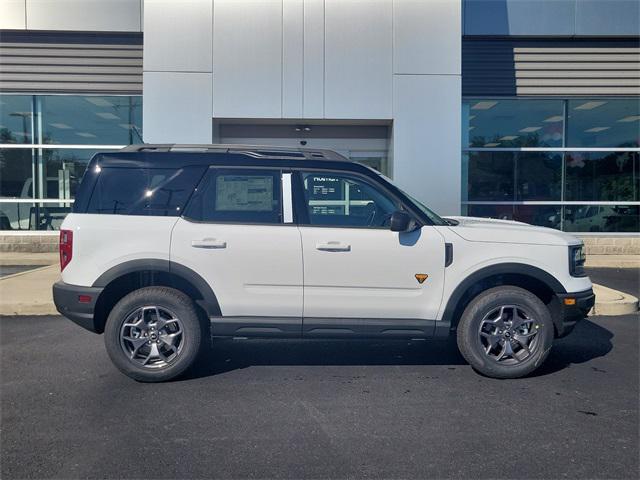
(613, 261)
(612, 302)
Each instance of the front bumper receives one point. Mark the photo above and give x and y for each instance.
(573, 308)
(77, 303)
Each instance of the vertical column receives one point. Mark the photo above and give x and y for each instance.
(427, 98)
(313, 63)
(178, 71)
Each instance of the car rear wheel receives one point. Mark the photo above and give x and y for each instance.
(505, 332)
(154, 334)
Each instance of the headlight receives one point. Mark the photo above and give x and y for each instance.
(577, 258)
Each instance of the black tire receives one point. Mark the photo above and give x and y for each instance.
(473, 347)
(167, 299)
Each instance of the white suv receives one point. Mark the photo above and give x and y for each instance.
(169, 245)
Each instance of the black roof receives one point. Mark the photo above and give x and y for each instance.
(175, 155)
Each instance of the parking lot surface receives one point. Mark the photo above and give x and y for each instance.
(294, 409)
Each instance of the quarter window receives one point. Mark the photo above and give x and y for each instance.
(238, 196)
(342, 200)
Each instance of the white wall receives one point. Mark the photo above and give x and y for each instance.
(82, 15)
(426, 139)
(247, 56)
(314, 59)
(13, 14)
(177, 107)
(358, 59)
(178, 36)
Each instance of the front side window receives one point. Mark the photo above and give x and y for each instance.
(238, 196)
(342, 200)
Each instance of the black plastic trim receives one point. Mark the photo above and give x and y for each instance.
(572, 314)
(368, 328)
(209, 301)
(247, 326)
(500, 268)
(66, 300)
(448, 254)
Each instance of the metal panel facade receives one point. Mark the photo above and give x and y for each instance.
(508, 67)
(71, 63)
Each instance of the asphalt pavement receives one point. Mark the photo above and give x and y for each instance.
(626, 280)
(314, 409)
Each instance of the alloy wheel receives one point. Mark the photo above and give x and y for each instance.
(152, 337)
(508, 334)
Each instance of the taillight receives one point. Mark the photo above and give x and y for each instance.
(66, 248)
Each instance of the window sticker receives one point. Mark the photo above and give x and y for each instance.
(244, 193)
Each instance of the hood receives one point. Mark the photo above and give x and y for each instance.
(476, 229)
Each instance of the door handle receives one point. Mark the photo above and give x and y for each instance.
(209, 243)
(333, 247)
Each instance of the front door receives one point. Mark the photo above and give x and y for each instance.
(238, 234)
(359, 276)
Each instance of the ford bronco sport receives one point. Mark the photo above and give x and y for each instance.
(169, 246)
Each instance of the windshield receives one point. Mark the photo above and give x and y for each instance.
(434, 217)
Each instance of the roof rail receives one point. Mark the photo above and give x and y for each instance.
(257, 151)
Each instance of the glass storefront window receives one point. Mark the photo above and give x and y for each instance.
(33, 215)
(512, 123)
(507, 176)
(541, 215)
(538, 176)
(16, 173)
(63, 169)
(490, 176)
(525, 170)
(602, 176)
(86, 120)
(16, 119)
(602, 218)
(603, 123)
(53, 173)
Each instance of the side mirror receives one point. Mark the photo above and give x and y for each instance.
(400, 221)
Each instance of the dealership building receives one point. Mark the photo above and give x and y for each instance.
(514, 109)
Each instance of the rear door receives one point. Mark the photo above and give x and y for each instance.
(359, 276)
(238, 234)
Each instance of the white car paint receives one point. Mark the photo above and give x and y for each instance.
(295, 271)
(370, 273)
(101, 242)
(254, 270)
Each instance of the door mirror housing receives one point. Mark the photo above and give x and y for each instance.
(400, 221)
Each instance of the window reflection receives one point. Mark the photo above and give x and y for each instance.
(538, 176)
(603, 123)
(54, 173)
(16, 169)
(86, 120)
(605, 176)
(63, 170)
(512, 123)
(15, 119)
(491, 176)
(602, 218)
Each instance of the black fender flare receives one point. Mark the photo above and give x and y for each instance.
(498, 269)
(208, 301)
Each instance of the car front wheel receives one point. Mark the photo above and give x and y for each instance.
(505, 332)
(153, 334)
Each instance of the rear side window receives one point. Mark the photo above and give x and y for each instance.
(238, 196)
(148, 191)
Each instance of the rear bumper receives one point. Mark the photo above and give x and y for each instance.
(67, 299)
(576, 311)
